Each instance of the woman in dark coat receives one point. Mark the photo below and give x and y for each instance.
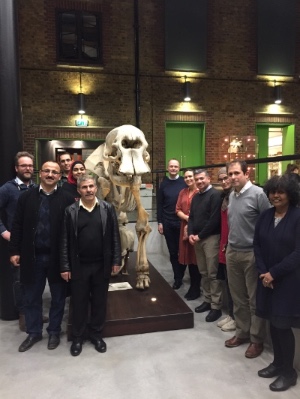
(277, 254)
(77, 169)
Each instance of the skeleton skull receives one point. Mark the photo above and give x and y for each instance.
(125, 150)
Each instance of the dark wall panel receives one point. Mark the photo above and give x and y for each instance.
(185, 35)
(276, 37)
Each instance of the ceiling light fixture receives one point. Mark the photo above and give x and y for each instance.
(277, 93)
(81, 105)
(186, 90)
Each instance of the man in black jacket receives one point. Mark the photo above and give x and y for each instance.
(34, 244)
(90, 251)
(9, 195)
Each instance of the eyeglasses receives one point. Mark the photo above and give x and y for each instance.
(48, 171)
(24, 165)
(221, 179)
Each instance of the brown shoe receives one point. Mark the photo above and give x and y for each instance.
(235, 341)
(254, 350)
(22, 324)
(45, 319)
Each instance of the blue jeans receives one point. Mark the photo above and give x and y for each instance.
(33, 296)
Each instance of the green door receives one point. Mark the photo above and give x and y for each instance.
(288, 147)
(262, 132)
(185, 141)
(288, 143)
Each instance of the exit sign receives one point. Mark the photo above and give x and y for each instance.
(81, 122)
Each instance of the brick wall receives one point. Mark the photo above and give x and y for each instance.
(230, 98)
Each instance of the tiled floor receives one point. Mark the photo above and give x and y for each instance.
(184, 364)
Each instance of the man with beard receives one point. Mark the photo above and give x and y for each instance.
(9, 195)
(34, 244)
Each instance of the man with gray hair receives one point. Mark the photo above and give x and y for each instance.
(204, 233)
(90, 251)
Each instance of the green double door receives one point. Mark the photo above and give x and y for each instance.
(185, 141)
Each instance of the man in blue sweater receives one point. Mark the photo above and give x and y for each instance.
(9, 195)
(168, 221)
(204, 228)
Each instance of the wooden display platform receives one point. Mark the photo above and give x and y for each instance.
(135, 312)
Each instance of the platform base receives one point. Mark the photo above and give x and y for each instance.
(157, 308)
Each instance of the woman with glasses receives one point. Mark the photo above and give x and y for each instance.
(277, 256)
(77, 169)
(186, 250)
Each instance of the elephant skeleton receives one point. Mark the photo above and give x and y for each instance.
(119, 164)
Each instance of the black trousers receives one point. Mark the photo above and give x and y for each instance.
(283, 341)
(172, 235)
(91, 289)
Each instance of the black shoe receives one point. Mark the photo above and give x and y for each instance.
(177, 284)
(213, 315)
(53, 341)
(192, 296)
(204, 307)
(100, 345)
(283, 383)
(188, 294)
(29, 342)
(76, 347)
(270, 371)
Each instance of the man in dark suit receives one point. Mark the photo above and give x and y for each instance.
(34, 244)
(90, 251)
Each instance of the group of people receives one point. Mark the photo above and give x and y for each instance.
(60, 233)
(248, 234)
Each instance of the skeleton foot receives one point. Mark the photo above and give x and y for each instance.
(142, 281)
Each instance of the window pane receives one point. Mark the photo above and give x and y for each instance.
(276, 37)
(89, 42)
(186, 35)
(79, 36)
(68, 36)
